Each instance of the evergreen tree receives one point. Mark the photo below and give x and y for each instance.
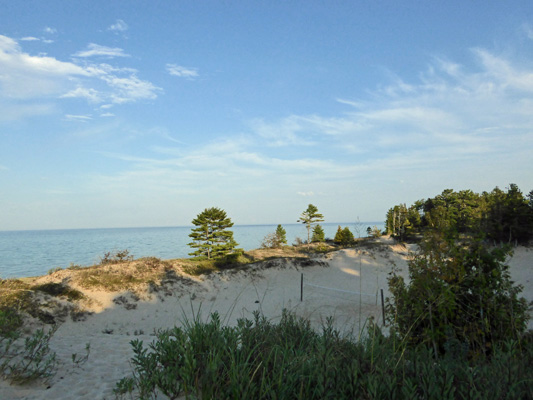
(281, 235)
(344, 237)
(310, 217)
(211, 237)
(338, 236)
(318, 234)
(347, 236)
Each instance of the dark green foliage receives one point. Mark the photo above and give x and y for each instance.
(309, 218)
(344, 237)
(59, 290)
(281, 235)
(211, 237)
(498, 215)
(258, 359)
(10, 322)
(318, 234)
(509, 216)
(459, 295)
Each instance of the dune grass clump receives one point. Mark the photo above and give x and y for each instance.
(258, 359)
(127, 275)
(59, 290)
(197, 267)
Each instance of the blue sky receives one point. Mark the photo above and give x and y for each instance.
(120, 113)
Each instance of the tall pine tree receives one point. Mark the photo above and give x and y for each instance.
(211, 237)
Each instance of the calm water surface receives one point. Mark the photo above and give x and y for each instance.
(32, 253)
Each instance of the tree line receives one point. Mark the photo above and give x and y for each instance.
(498, 216)
(211, 238)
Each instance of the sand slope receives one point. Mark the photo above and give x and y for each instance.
(345, 284)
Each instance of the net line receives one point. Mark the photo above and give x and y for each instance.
(340, 290)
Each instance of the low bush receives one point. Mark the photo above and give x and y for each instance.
(26, 359)
(116, 257)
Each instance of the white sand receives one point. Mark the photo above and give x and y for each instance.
(233, 295)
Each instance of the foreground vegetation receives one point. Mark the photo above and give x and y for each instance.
(258, 359)
(457, 327)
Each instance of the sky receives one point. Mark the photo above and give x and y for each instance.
(144, 113)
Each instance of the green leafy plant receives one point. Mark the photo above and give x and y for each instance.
(80, 360)
(459, 294)
(259, 359)
(22, 363)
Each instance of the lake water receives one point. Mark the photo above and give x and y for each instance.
(33, 253)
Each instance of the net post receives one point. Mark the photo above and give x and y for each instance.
(302, 287)
(383, 308)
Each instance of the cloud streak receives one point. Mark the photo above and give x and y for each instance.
(95, 50)
(182, 72)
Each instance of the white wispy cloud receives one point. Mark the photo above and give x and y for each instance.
(50, 30)
(80, 92)
(29, 39)
(96, 50)
(182, 72)
(34, 77)
(130, 88)
(78, 118)
(119, 26)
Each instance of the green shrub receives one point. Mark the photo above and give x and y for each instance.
(22, 363)
(10, 322)
(258, 359)
(458, 295)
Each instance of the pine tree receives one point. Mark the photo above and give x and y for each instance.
(318, 234)
(211, 237)
(310, 217)
(344, 236)
(281, 235)
(338, 236)
(347, 236)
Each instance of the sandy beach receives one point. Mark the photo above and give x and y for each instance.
(344, 284)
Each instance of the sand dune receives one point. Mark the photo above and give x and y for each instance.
(345, 284)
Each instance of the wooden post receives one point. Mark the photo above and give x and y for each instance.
(383, 308)
(302, 287)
